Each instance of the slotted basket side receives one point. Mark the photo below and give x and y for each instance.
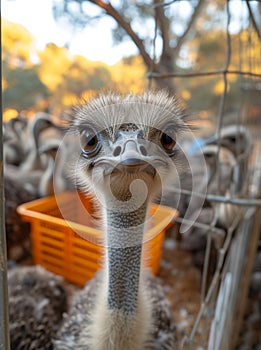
(58, 244)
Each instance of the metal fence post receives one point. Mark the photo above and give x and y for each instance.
(4, 329)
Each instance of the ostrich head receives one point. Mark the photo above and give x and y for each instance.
(128, 139)
(129, 151)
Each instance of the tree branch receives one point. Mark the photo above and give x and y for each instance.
(193, 18)
(251, 15)
(163, 23)
(149, 62)
(111, 11)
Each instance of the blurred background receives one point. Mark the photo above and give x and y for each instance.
(56, 53)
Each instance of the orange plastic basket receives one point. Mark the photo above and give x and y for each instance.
(59, 223)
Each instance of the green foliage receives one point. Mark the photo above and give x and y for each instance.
(63, 79)
(59, 78)
(24, 88)
(80, 77)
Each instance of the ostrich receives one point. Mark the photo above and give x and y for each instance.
(41, 122)
(53, 179)
(219, 214)
(37, 300)
(237, 140)
(24, 186)
(13, 145)
(129, 152)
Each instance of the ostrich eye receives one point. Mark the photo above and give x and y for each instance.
(167, 142)
(90, 142)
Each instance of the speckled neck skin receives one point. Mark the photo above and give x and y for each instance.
(124, 248)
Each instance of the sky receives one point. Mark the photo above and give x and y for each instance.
(94, 42)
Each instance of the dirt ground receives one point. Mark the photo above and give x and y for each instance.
(182, 284)
(181, 281)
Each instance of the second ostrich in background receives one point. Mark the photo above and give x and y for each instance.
(129, 153)
(37, 300)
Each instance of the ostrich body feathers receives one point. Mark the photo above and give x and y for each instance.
(73, 335)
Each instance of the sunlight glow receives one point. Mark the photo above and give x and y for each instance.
(94, 42)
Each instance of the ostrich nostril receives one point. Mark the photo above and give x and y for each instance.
(140, 134)
(117, 151)
(143, 151)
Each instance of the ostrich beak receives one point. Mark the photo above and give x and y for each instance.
(131, 159)
(130, 151)
(133, 162)
(131, 154)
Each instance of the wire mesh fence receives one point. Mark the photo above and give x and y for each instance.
(223, 297)
(224, 290)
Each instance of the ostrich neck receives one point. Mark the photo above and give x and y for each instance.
(123, 257)
(46, 182)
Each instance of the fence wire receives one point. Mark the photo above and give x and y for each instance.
(219, 300)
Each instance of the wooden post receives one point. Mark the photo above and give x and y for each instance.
(240, 305)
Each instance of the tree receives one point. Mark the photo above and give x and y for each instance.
(58, 79)
(24, 89)
(81, 77)
(55, 61)
(129, 75)
(18, 44)
(129, 18)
